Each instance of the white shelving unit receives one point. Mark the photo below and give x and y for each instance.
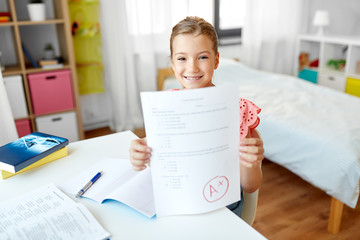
(326, 48)
(19, 71)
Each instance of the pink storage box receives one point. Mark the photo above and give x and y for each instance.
(51, 91)
(23, 127)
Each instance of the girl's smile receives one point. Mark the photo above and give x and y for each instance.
(189, 78)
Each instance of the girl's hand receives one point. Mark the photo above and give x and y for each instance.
(251, 150)
(140, 154)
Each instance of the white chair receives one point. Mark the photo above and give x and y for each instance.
(249, 209)
(8, 131)
(250, 202)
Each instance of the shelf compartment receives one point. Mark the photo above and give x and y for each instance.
(51, 91)
(23, 14)
(36, 37)
(311, 48)
(354, 60)
(334, 81)
(5, 9)
(60, 124)
(15, 91)
(12, 70)
(8, 48)
(335, 55)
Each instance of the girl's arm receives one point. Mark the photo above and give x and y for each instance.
(251, 152)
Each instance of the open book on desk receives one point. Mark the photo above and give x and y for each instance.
(118, 182)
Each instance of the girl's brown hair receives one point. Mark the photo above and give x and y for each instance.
(196, 26)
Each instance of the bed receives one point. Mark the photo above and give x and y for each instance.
(309, 129)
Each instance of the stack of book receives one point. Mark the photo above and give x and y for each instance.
(30, 151)
(50, 64)
(4, 17)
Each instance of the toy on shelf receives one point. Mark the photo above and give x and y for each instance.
(314, 63)
(4, 17)
(49, 52)
(303, 60)
(337, 64)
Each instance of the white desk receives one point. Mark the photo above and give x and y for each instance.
(121, 221)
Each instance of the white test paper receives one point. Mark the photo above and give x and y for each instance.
(195, 136)
(47, 213)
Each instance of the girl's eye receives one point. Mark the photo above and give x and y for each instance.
(203, 57)
(181, 59)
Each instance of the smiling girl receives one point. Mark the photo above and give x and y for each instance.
(194, 58)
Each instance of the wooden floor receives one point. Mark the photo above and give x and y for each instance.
(289, 207)
(104, 131)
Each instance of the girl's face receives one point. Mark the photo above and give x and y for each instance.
(194, 60)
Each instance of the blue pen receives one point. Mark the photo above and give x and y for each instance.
(89, 184)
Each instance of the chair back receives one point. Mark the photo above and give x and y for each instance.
(249, 209)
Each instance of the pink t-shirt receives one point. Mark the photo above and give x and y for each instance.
(248, 113)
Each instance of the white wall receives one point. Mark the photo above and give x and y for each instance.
(344, 16)
(344, 20)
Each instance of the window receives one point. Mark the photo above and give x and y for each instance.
(229, 20)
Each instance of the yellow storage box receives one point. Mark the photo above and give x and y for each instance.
(353, 86)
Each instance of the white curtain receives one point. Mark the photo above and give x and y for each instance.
(8, 131)
(135, 36)
(119, 62)
(136, 43)
(150, 23)
(269, 34)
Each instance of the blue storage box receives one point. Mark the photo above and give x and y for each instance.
(308, 75)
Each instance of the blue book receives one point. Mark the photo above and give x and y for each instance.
(26, 150)
(33, 62)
